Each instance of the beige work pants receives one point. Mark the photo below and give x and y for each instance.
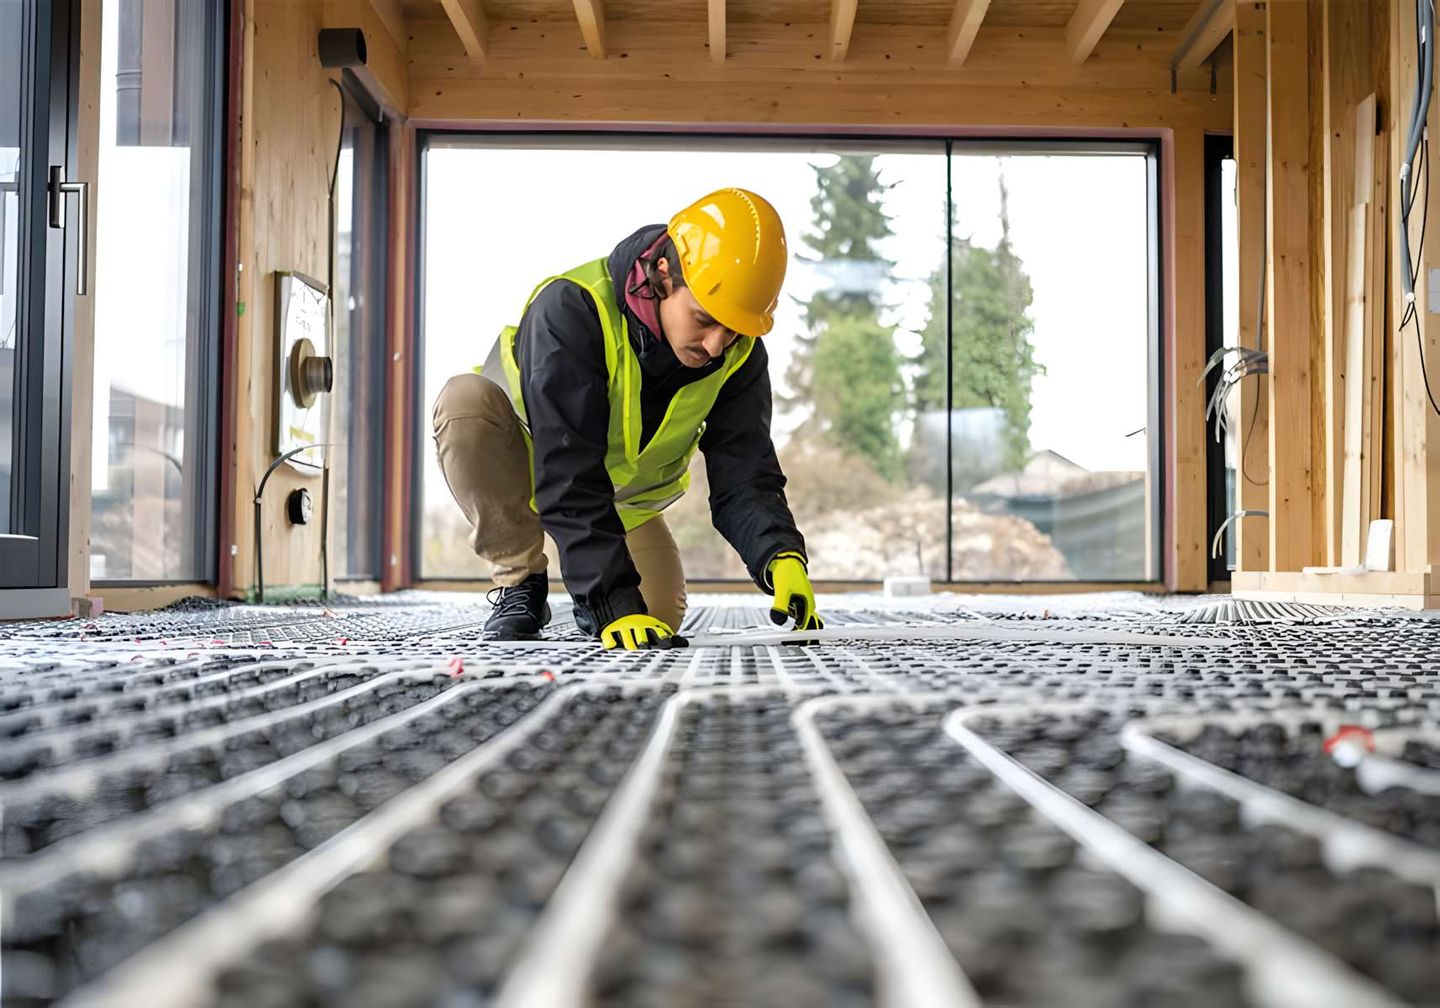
(486, 464)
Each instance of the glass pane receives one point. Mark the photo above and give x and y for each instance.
(357, 407)
(866, 231)
(151, 202)
(11, 60)
(1051, 380)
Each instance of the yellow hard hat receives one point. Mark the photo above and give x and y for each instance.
(732, 253)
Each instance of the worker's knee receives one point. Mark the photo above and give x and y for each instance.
(471, 395)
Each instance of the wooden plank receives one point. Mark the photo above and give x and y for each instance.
(1187, 442)
(1086, 27)
(1429, 554)
(842, 26)
(400, 411)
(717, 31)
(391, 14)
(1413, 416)
(1338, 151)
(1252, 535)
(591, 15)
(965, 22)
(1354, 497)
(468, 19)
(1202, 35)
(1293, 536)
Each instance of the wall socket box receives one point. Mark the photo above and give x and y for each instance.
(304, 371)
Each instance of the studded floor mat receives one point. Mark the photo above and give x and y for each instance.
(1096, 801)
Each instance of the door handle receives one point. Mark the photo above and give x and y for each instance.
(59, 189)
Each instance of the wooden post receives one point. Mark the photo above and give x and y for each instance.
(1294, 537)
(1253, 476)
(1187, 427)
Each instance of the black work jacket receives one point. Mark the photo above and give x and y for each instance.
(560, 350)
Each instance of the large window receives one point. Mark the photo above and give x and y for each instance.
(357, 406)
(961, 323)
(157, 271)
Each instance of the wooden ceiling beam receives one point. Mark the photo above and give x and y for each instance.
(1206, 29)
(842, 24)
(964, 23)
(591, 14)
(717, 31)
(469, 21)
(1087, 26)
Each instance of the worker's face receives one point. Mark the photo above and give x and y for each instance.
(696, 338)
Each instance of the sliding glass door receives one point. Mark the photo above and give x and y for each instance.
(42, 252)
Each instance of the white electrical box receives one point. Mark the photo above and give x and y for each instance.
(304, 372)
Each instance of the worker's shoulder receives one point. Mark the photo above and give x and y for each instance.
(562, 294)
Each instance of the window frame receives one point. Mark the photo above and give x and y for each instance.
(377, 289)
(208, 282)
(1145, 143)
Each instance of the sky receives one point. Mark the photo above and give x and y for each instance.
(500, 219)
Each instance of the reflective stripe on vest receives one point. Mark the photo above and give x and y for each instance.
(646, 481)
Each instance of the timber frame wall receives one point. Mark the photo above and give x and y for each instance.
(1343, 423)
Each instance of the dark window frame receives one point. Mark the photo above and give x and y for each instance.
(1218, 149)
(374, 391)
(948, 141)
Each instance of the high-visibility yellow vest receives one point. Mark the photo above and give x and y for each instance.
(646, 480)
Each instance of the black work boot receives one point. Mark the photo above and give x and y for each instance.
(520, 611)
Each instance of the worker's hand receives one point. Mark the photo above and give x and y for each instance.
(639, 632)
(794, 596)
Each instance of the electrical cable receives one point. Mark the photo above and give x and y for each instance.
(1417, 140)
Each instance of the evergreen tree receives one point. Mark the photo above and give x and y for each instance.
(847, 369)
(994, 361)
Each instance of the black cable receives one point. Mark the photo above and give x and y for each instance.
(1424, 45)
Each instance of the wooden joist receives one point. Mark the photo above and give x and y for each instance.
(1087, 26)
(964, 23)
(591, 15)
(1207, 28)
(842, 24)
(717, 31)
(469, 21)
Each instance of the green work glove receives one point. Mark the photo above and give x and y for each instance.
(794, 595)
(639, 632)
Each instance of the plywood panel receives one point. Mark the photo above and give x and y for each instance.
(1163, 16)
(781, 12)
(529, 10)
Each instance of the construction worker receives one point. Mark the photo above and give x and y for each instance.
(617, 372)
